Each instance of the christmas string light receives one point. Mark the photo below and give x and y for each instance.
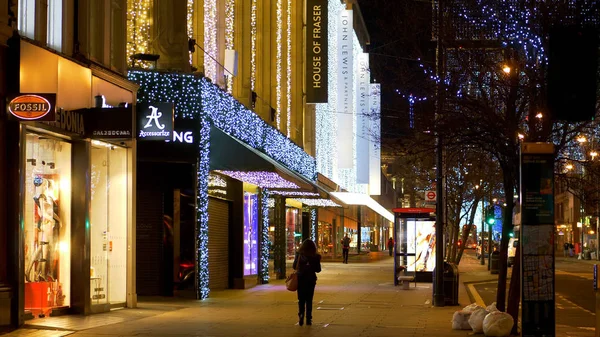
(263, 179)
(210, 38)
(138, 30)
(203, 166)
(317, 202)
(289, 69)
(264, 239)
(190, 23)
(184, 91)
(235, 119)
(278, 62)
(295, 193)
(313, 224)
(326, 119)
(229, 34)
(253, 32)
(199, 99)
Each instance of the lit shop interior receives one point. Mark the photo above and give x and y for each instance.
(50, 245)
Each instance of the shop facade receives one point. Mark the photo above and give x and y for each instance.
(71, 206)
(239, 163)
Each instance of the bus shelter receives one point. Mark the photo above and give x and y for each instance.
(414, 244)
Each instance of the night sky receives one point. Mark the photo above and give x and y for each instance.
(400, 32)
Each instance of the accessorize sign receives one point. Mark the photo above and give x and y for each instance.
(33, 107)
(155, 121)
(316, 51)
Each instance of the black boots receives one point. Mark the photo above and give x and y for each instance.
(301, 320)
(308, 321)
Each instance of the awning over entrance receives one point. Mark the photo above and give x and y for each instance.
(365, 200)
(232, 157)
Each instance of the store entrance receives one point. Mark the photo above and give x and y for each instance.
(165, 228)
(108, 224)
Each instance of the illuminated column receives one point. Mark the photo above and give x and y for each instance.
(297, 117)
(277, 103)
(264, 61)
(170, 33)
(263, 268)
(280, 244)
(243, 47)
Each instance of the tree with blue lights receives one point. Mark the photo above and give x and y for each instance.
(494, 85)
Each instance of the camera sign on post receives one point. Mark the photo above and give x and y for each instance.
(155, 121)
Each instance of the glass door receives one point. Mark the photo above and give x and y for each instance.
(108, 223)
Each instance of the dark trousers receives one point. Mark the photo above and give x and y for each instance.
(345, 254)
(306, 292)
(391, 250)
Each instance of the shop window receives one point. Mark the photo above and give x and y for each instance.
(293, 221)
(325, 238)
(108, 224)
(250, 234)
(47, 223)
(26, 21)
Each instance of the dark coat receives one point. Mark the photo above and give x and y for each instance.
(307, 267)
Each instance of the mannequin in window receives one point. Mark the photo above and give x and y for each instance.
(47, 224)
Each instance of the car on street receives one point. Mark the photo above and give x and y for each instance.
(485, 248)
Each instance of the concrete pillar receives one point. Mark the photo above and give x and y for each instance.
(169, 32)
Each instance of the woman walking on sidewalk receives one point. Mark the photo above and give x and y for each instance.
(307, 264)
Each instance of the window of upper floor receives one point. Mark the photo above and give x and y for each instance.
(42, 20)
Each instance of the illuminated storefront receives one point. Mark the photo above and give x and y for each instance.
(75, 180)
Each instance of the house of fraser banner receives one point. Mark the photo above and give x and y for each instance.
(316, 51)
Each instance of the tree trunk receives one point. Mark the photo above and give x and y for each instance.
(514, 292)
(468, 231)
(507, 227)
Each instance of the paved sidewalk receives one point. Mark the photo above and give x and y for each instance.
(355, 299)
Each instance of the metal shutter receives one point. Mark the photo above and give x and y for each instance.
(149, 243)
(218, 244)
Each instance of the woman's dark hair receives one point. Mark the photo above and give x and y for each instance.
(308, 248)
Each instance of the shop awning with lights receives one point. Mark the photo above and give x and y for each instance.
(364, 200)
(231, 157)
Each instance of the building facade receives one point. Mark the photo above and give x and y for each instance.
(69, 127)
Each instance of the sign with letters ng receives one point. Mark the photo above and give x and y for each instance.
(316, 51)
(33, 107)
(155, 121)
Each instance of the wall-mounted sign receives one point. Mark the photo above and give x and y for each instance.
(96, 123)
(33, 107)
(184, 131)
(109, 123)
(345, 91)
(316, 51)
(155, 121)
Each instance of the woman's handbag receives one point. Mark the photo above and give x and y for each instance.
(291, 283)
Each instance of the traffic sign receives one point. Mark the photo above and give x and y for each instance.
(430, 196)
